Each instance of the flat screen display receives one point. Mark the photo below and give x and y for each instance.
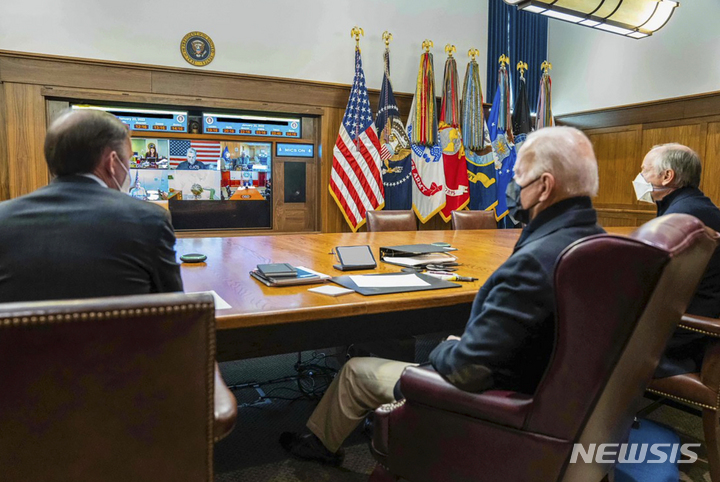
(355, 255)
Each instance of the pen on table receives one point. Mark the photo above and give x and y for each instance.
(451, 277)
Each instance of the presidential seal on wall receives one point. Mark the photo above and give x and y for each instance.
(197, 49)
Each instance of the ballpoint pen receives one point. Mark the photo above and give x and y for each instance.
(450, 276)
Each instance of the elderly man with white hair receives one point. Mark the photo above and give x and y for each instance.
(509, 337)
(670, 177)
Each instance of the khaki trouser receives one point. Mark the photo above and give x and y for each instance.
(362, 385)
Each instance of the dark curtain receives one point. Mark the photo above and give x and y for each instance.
(521, 36)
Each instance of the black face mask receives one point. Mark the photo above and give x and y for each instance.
(515, 208)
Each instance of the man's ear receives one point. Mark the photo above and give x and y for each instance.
(548, 186)
(668, 177)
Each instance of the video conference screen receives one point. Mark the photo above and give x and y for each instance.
(194, 170)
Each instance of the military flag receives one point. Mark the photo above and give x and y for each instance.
(428, 196)
(521, 112)
(502, 142)
(476, 139)
(457, 195)
(544, 107)
(355, 181)
(394, 147)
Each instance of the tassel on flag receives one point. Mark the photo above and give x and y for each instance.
(394, 144)
(457, 195)
(544, 107)
(355, 181)
(473, 120)
(425, 118)
(476, 138)
(428, 194)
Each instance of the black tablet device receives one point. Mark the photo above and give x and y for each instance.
(355, 257)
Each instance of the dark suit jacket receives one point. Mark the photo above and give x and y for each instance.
(686, 348)
(509, 338)
(186, 166)
(77, 239)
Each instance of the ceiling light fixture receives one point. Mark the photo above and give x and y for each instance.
(631, 18)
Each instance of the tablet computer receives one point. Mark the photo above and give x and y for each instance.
(355, 257)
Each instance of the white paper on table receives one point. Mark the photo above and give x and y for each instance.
(321, 275)
(331, 290)
(399, 281)
(220, 304)
(420, 259)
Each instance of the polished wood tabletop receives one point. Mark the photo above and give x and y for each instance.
(230, 259)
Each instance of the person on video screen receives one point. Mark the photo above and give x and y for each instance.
(192, 164)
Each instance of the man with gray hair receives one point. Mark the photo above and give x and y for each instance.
(510, 335)
(670, 177)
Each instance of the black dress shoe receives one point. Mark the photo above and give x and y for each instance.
(309, 447)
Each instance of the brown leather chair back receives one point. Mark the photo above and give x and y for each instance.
(473, 220)
(111, 389)
(618, 302)
(391, 221)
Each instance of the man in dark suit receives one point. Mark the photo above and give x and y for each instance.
(82, 235)
(670, 177)
(192, 164)
(510, 335)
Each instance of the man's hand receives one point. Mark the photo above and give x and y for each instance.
(452, 337)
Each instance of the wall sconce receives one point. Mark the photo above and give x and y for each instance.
(631, 18)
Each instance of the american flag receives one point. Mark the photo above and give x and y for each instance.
(355, 181)
(207, 151)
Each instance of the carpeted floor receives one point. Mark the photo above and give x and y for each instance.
(252, 452)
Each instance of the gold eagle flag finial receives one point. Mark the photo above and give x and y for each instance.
(546, 66)
(450, 50)
(387, 37)
(472, 53)
(522, 67)
(427, 45)
(503, 61)
(356, 33)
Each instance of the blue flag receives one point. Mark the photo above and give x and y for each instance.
(481, 176)
(504, 154)
(394, 148)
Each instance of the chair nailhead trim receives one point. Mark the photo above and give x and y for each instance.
(704, 332)
(90, 315)
(685, 400)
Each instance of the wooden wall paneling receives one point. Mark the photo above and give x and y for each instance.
(332, 218)
(26, 127)
(109, 96)
(691, 135)
(87, 74)
(711, 163)
(619, 160)
(4, 160)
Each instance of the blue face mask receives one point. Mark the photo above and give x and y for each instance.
(515, 208)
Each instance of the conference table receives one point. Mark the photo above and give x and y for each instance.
(264, 320)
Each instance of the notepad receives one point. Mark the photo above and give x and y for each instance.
(331, 290)
(379, 281)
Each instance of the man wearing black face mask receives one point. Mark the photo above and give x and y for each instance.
(670, 178)
(509, 337)
(82, 236)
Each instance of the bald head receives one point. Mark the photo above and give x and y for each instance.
(77, 140)
(673, 165)
(565, 153)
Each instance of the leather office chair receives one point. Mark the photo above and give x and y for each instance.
(618, 301)
(391, 221)
(699, 390)
(473, 220)
(111, 389)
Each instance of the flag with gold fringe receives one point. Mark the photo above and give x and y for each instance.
(521, 113)
(355, 181)
(394, 147)
(502, 142)
(544, 106)
(428, 196)
(457, 195)
(476, 139)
